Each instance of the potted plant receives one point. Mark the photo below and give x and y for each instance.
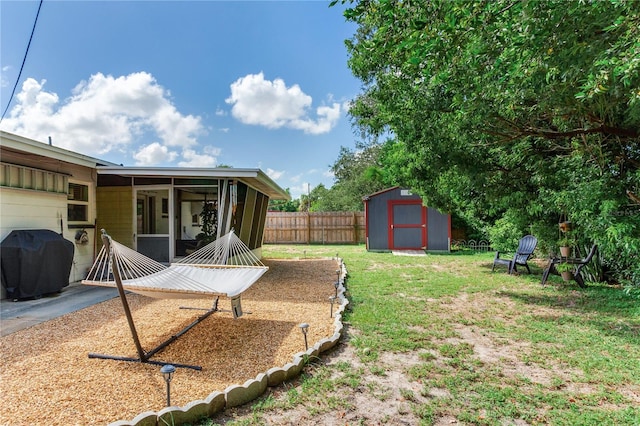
(565, 244)
(566, 270)
(209, 217)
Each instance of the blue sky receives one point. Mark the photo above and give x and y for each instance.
(184, 83)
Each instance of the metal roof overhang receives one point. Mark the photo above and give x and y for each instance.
(254, 178)
(32, 147)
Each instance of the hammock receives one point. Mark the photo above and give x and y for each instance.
(225, 267)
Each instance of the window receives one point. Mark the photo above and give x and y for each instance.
(165, 207)
(78, 203)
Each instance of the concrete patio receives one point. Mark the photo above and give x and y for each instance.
(15, 316)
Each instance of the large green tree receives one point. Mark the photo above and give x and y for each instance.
(284, 206)
(357, 173)
(505, 111)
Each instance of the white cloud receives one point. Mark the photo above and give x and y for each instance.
(193, 159)
(153, 154)
(3, 81)
(327, 118)
(220, 112)
(103, 114)
(329, 173)
(274, 105)
(274, 174)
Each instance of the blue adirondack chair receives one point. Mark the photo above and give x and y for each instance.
(526, 246)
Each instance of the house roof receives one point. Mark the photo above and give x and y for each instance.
(15, 142)
(255, 178)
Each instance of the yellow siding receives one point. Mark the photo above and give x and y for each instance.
(115, 213)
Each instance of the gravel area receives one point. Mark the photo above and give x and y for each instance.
(47, 377)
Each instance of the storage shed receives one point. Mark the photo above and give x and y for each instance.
(396, 220)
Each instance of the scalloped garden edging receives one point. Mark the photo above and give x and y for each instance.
(236, 395)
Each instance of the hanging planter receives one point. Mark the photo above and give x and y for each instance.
(565, 226)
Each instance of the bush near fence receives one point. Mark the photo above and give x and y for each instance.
(314, 228)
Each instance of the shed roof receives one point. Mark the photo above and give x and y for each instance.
(367, 197)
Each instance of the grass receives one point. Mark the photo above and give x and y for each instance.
(585, 343)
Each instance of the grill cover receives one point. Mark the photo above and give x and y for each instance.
(34, 263)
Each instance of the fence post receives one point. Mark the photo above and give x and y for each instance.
(355, 228)
(322, 221)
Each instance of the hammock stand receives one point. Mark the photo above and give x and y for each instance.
(112, 270)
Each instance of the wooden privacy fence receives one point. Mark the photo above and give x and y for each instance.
(314, 228)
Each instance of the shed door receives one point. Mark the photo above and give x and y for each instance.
(408, 225)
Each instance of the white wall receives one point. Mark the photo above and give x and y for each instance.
(25, 209)
(189, 208)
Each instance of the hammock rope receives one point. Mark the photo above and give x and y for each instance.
(226, 250)
(225, 267)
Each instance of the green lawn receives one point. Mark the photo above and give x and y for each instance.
(492, 349)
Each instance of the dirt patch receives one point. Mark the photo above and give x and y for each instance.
(379, 399)
(387, 394)
(47, 377)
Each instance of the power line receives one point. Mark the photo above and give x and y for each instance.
(23, 61)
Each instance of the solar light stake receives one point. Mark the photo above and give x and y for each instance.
(304, 327)
(336, 285)
(167, 372)
(332, 299)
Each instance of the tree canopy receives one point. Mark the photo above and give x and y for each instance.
(512, 114)
(284, 206)
(357, 174)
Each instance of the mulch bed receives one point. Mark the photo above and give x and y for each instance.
(48, 378)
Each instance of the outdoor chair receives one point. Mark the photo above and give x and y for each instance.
(526, 246)
(579, 263)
